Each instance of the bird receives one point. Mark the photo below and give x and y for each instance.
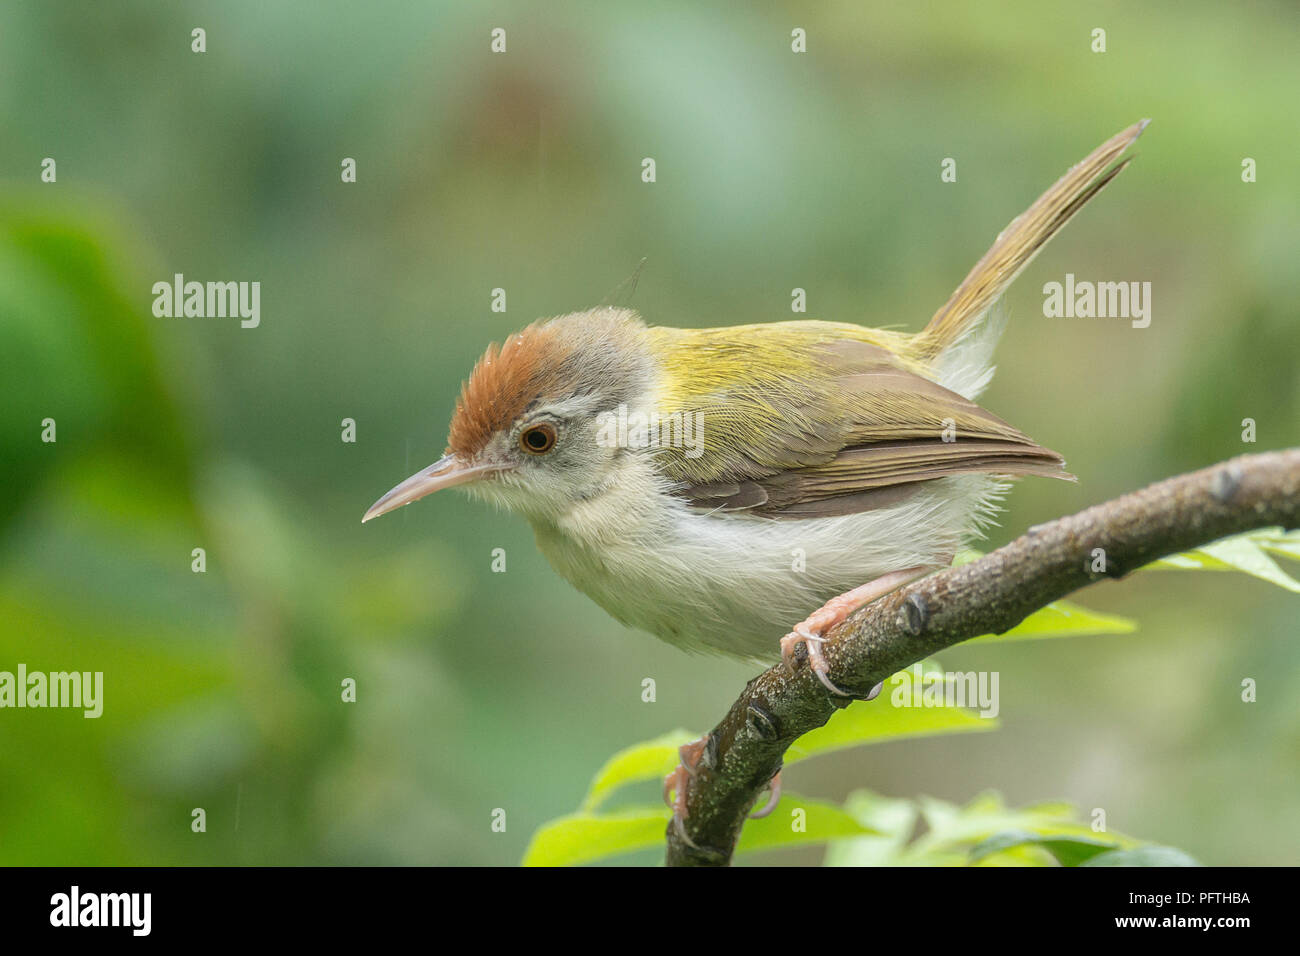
(713, 485)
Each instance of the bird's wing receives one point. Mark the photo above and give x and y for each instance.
(810, 419)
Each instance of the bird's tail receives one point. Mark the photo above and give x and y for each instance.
(1017, 245)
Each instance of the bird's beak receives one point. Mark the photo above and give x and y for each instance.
(446, 472)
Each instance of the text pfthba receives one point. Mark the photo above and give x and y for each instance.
(1098, 300)
(209, 300)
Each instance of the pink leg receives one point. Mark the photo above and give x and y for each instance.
(812, 630)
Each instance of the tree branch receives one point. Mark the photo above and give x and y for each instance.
(988, 596)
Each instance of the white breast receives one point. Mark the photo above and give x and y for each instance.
(735, 583)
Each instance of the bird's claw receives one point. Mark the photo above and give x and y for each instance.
(773, 798)
(813, 641)
(810, 632)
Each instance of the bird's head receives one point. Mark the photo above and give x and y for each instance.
(526, 433)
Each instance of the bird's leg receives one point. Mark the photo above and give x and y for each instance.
(677, 782)
(812, 630)
(809, 631)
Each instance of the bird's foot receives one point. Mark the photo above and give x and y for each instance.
(811, 632)
(677, 782)
(773, 798)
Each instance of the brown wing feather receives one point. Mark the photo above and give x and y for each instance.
(886, 441)
(865, 477)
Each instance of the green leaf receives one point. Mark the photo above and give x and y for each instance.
(1063, 619)
(1248, 553)
(586, 837)
(886, 718)
(862, 723)
(1285, 543)
(821, 821)
(954, 829)
(987, 814)
(649, 760)
(1143, 856)
(1058, 619)
(1036, 835)
(1068, 850)
(894, 820)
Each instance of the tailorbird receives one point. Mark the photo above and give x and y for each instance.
(711, 486)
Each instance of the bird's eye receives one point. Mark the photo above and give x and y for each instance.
(537, 439)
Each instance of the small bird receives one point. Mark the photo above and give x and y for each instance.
(711, 486)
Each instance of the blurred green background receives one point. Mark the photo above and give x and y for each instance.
(477, 690)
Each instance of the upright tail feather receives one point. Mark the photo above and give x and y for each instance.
(1017, 245)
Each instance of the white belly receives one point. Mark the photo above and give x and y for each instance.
(734, 583)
